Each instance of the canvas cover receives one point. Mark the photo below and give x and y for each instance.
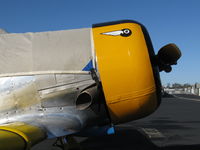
(45, 52)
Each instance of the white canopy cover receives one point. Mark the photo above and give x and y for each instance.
(45, 52)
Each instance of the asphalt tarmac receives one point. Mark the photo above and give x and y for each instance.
(175, 125)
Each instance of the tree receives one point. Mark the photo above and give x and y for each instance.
(177, 85)
(186, 85)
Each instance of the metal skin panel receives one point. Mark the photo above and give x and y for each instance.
(125, 71)
(37, 101)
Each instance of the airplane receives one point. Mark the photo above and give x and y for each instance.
(81, 82)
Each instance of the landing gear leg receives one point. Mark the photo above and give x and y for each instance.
(67, 143)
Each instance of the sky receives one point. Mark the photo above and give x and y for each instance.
(167, 21)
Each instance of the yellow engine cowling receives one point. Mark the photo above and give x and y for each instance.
(126, 70)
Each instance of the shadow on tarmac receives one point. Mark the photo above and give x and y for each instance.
(129, 139)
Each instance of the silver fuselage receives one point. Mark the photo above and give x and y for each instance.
(47, 101)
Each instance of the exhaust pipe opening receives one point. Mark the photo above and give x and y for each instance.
(83, 101)
(85, 98)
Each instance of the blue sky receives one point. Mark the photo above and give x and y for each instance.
(168, 21)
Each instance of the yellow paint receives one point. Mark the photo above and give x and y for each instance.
(11, 141)
(125, 71)
(22, 136)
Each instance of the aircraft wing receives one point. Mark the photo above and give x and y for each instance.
(19, 135)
